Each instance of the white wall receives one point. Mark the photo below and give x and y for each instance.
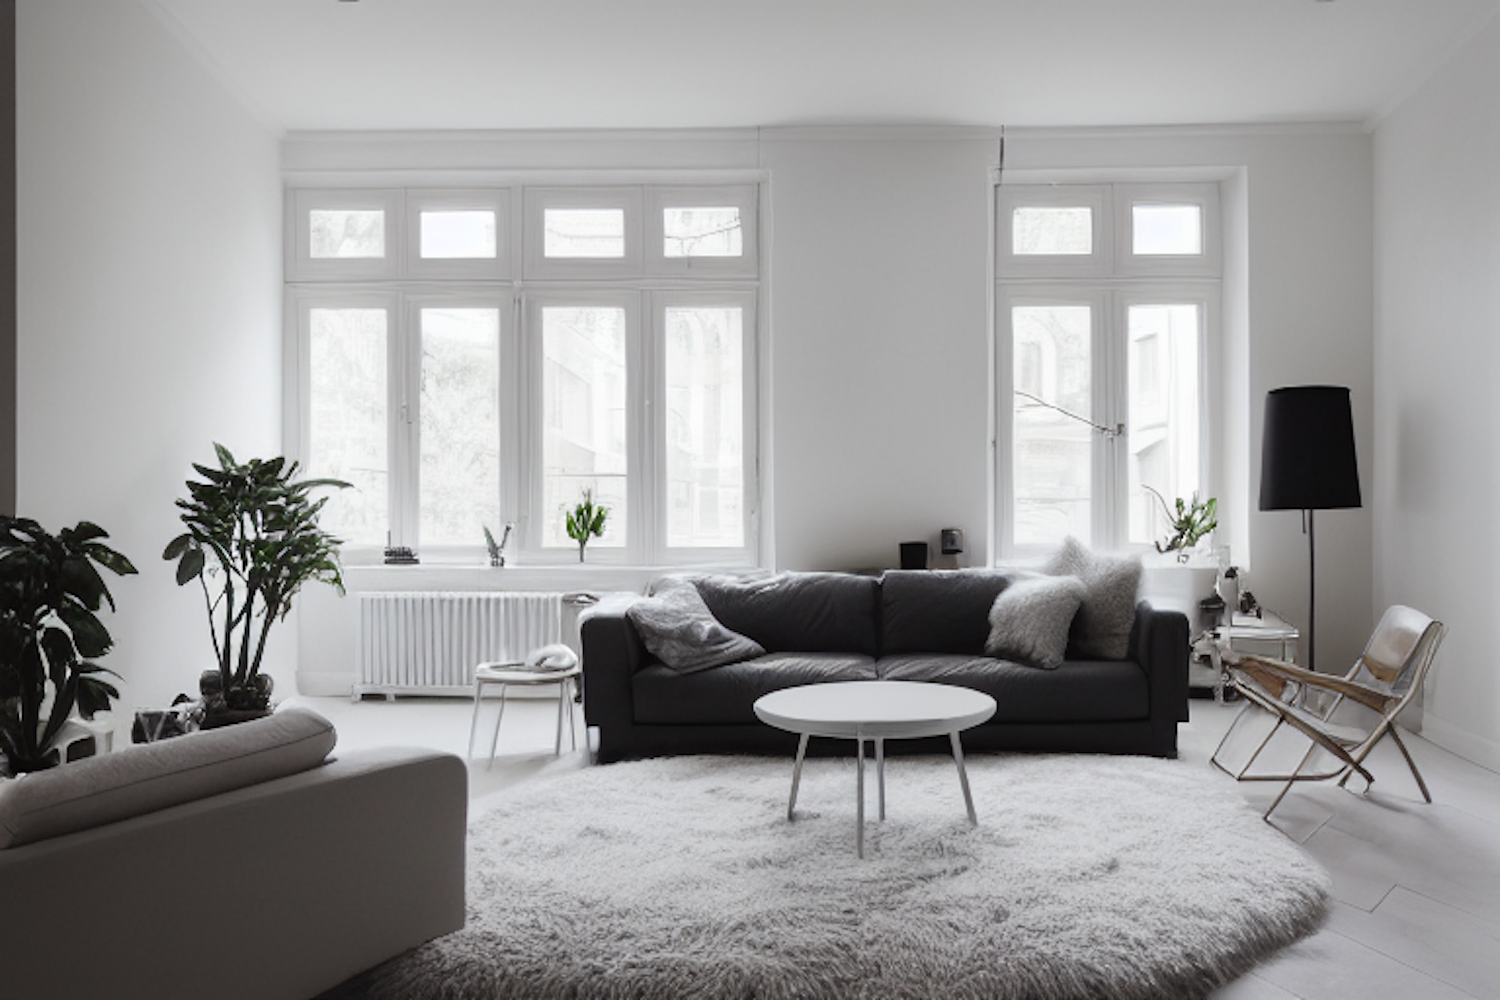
(880, 342)
(1297, 212)
(149, 313)
(1437, 360)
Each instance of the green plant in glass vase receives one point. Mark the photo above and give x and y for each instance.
(1189, 522)
(252, 541)
(585, 521)
(50, 634)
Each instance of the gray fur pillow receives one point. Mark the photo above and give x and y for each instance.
(1101, 629)
(1030, 618)
(679, 630)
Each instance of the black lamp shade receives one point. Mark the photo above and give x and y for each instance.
(1307, 457)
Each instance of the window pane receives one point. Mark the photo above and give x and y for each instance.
(702, 232)
(1163, 413)
(460, 430)
(1068, 231)
(458, 234)
(583, 438)
(1053, 453)
(347, 233)
(705, 427)
(347, 419)
(1166, 229)
(584, 232)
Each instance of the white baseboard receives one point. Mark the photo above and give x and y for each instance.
(1485, 753)
(325, 683)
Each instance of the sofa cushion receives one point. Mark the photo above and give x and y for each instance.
(1101, 629)
(1080, 691)
(799, 612)
(680, 631)
(937, 611)
(726, 695)
(142, 779)
(1030, 619)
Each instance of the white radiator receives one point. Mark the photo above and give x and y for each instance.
(429, 642)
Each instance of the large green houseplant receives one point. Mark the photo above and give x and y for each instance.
(252, 541)
(50, 634)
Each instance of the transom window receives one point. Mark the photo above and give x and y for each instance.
(1107, 302)
(457, 396)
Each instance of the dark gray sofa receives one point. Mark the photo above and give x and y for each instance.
(902, 625)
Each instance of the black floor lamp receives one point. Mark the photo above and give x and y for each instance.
(1307, 463)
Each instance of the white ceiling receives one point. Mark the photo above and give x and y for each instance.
(498, 64)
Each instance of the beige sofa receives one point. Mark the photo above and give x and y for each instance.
(244, 862)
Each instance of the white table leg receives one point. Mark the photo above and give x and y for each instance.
(473, 722)
(796, 775)
(880, 772)
(859, 805)
(963, 777)
(495, 737)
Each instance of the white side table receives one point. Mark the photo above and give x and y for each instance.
(1243, 630)
(509, 674)
(875, 710)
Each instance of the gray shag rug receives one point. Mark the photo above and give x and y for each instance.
(681, 879)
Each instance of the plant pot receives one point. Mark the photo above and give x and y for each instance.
(214, 718)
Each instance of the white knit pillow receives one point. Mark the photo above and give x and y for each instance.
(1101, 629)
(1030, 618)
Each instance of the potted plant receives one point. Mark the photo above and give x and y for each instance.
(1189, 523)
(50, 634)
(252, 541)
(585, 521)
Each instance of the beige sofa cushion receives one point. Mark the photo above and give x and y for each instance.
(142, 779)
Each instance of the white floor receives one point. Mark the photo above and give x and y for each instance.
(1417, 887)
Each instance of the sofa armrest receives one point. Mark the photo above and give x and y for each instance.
(328, 872)
(612, 653)
(1159, 643)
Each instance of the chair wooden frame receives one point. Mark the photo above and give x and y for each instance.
(1385, 678)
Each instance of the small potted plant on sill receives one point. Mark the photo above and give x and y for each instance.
(585, 521)
(252, 541)
(1190, 522)
(50, 635)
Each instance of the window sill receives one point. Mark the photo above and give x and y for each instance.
(595, 578)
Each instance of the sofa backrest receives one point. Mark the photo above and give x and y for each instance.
(113, 786)
(799, 612)
(938, 611)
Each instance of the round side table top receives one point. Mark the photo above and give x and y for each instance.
(875, 709)
(519, 673)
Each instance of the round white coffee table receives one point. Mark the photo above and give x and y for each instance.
(875, 710)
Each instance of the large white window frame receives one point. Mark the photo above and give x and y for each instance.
(1110, 281)
(519, 283)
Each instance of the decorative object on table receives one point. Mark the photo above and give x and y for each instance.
(913, 555)
(152, 724)
(1228, 590)
(497, 549)
(1189, 522)
(1308, 463)
(585, 521)
(951, 541)
(252, 541)
(1384, 680)
(50, 634)
(1040, 900)
(400, 555)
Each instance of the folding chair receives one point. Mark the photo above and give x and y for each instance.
(1385, 679)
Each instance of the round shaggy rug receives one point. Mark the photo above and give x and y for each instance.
(681, 879)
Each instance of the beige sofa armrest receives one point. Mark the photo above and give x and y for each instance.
(309, 878)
